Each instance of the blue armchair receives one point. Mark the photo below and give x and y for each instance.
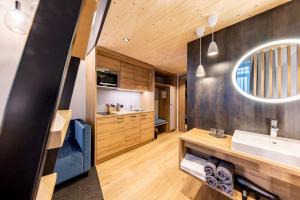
(74, 158)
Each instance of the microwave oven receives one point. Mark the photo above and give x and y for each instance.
(107, 78)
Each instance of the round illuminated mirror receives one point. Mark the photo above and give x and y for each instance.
(270, 72)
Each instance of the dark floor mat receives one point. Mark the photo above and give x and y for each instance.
(81, 188)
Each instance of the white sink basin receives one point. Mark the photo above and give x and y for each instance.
(281, 150)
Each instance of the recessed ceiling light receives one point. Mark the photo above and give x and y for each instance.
(125, 39)
(164, 59)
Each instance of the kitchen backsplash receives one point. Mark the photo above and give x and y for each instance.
(125, 98)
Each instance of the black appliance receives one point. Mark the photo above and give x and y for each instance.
(106, 78)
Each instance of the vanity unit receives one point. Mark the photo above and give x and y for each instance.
(116, 134)
(274, 176)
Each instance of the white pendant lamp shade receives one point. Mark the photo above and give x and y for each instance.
(212, 49)
(200, 71)
(16, 20)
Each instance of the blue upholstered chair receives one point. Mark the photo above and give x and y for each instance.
(74, 158)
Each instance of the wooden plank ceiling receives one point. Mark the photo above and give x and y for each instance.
(161, 28)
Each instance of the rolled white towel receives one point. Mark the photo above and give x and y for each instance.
(194, 165)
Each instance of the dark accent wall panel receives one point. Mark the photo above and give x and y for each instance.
(214, 102)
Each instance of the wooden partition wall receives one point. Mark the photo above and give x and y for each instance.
(182, 103)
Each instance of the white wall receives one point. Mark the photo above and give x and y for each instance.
(10, 53)
(126, 98)
(78, 102)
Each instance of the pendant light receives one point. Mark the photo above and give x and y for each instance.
(200, 70)
(16, 20)
(213, 48)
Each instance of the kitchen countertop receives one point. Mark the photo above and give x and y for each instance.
(125, 112)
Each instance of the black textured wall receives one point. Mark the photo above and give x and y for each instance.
(213, 100)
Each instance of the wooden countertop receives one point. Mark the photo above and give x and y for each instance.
(200, 139)
(124, 113)
(59, 128)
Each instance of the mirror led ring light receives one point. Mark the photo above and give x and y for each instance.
(264, 100)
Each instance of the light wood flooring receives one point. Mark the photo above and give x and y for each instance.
(151, 172)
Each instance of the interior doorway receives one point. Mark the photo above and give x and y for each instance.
(165, 102)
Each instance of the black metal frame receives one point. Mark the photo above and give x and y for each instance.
(102, 10)
(64, 104)
(34, 97)
(68, 88)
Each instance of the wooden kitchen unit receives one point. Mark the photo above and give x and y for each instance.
(116, 134)
(133, 74)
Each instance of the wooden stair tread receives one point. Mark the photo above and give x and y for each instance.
(59, 128)
(46, 187)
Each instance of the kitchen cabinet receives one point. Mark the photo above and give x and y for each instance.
(110, 137)
(134, 77)
(119, 133)
(127, 76)
(109, 63)
(142, 78)
(147, 126)
(132, 131)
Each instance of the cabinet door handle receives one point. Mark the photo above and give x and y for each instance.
(133, 116)
(120, 118)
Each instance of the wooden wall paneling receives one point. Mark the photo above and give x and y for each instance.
(298, 69)
(148, 96)
(84, 26)
(270, 95)
(289, 78)
(279, 72)
(262, 75)
(91, 96)
(294, 65)
(168, 19)
(181, 103)
(255, 76)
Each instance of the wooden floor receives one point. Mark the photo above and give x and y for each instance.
(151, 172)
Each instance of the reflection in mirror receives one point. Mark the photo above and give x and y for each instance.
(270, 73)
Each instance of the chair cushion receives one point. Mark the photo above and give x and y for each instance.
(69, 161)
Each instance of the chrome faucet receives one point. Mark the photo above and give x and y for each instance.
(274, 129)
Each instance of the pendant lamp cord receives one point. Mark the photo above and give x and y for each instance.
(212, 38)
(200, 50)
